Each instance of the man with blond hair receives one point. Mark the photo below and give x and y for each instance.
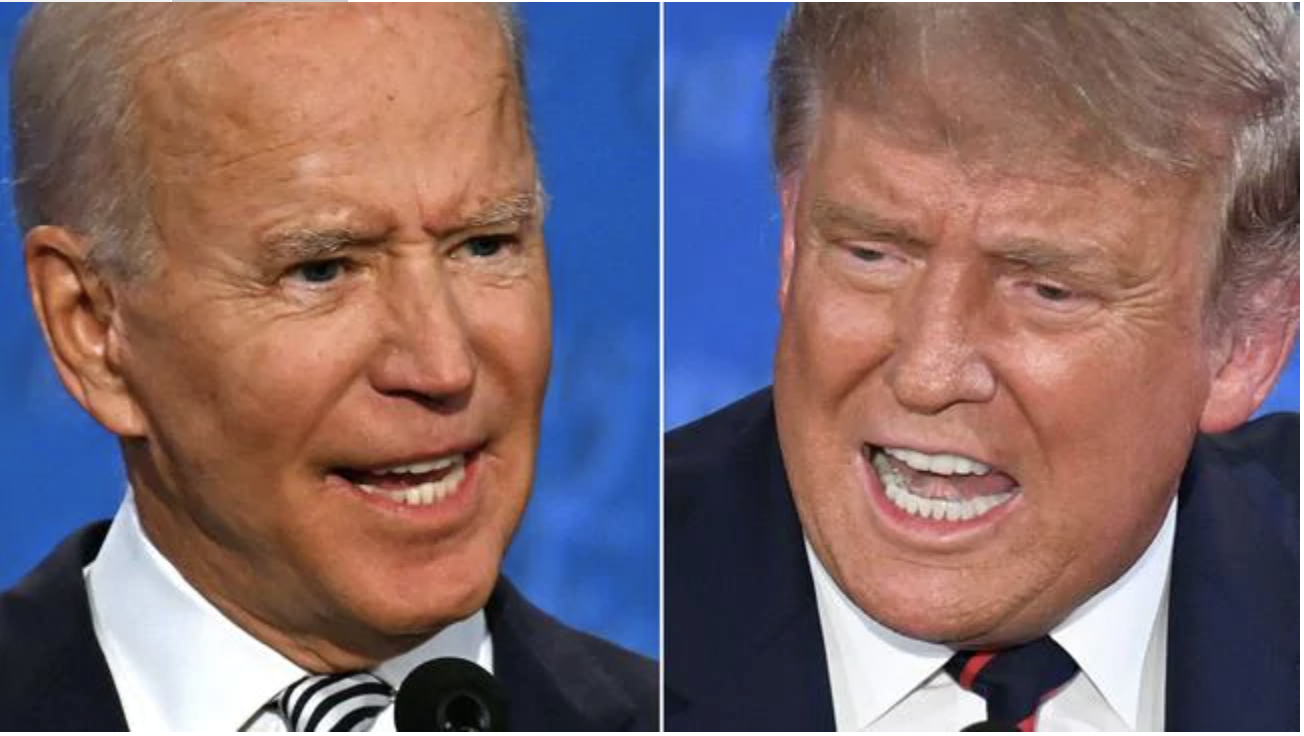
(1039, 268)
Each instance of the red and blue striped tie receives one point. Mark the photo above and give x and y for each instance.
(1014, 681)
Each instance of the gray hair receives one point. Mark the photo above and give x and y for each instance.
(74, 124)
(1202, 89)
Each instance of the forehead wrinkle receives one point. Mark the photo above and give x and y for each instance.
(243, 78)
(498, 114)
(864, 154)
(206, 116)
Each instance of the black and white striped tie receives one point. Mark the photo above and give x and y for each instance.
(339, 702)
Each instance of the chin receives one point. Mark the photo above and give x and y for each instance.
(422, 602)
(921, 627)
(938, 613)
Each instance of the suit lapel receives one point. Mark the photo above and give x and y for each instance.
(1233, 648)
(766, 668)
(552, 684)
(55, 677)
(745, 652)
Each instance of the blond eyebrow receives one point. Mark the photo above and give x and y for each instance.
(1082, 259)
(1043, 255)
(827, 214)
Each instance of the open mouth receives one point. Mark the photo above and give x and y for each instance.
(422, 483)
(941, 486)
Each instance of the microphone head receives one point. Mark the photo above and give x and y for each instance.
(990, 726)
(450, 694)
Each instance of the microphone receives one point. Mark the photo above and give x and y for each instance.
(450, 694)
(990, 726)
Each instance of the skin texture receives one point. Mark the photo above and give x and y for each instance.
(253, 361)
(1045, 320)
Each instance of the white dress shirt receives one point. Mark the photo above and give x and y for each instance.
(883, 681)
(180, 665)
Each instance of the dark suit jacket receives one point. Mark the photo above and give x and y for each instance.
(743, 646)
(53, 675)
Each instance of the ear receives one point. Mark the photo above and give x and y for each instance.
(77, 313)
(789, 188)
(1252, 358)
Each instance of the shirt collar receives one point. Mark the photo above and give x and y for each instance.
(180, 665)
(872, 668)
(1109, 635)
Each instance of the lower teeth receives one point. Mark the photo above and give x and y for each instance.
(898, 492)
(423, 494)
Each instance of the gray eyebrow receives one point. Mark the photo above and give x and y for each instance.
(514, 208)
(310, 243)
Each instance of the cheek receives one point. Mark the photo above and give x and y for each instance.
(831, 343)
(832, 346)
(232, 385)
(511, 333)
(284, 383)
(1103, 394)
(1113, 420)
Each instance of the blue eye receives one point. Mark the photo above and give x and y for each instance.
(321, 272)
(487, 246)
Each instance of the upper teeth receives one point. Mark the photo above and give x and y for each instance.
(431, 491)
(941, 464)
(418, 468)
(899, 492)
(428, 492)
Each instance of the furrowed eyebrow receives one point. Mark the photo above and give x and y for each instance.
(309, 243)
(830, 215)
(1083, 260)
(516, 208)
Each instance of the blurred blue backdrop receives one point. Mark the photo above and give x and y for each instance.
(588, 550)
(721, 211)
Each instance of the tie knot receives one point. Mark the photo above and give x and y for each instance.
(1014, 681)
(347, 701)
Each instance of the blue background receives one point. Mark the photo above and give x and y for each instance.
(588, 549)
(722, 214)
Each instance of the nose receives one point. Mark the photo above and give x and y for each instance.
(937, 362)
(428, 354)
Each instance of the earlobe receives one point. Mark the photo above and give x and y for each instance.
(76, 310)
(1253, 360)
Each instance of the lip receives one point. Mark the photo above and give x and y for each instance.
(462, 448)
(444, 516)
(931, 535)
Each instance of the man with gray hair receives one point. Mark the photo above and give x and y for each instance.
(1039, 268)
(292, 257)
